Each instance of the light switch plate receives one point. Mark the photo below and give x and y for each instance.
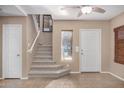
(77, 49)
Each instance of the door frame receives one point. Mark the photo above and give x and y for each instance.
(100, 31)
(3, 49)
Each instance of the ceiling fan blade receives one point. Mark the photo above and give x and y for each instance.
(79, 14)
(99, 10)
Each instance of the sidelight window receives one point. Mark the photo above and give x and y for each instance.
(66, 45)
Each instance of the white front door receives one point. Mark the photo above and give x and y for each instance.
(90, 50)
(12, 34)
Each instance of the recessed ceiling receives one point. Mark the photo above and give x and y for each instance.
(58, 14)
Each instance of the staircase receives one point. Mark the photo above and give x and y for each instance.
(44, 66)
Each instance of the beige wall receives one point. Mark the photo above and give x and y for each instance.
(116, 68)
(15, 20)
(31, 34)
(31, 31)
(76, 26)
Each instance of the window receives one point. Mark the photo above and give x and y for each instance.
(119, 44)
(66, 45)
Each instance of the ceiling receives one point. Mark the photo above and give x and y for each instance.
(58, 14)
(11, 10)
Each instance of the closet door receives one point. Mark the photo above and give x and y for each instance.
(12, 50)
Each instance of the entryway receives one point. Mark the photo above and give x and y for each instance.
(12, 56)
(90, 50)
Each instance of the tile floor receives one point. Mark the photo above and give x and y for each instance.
(83, 80)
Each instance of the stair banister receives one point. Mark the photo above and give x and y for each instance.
(38, 33)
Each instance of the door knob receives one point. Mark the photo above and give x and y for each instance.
(18, 54)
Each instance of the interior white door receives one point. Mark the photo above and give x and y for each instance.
(90, 50)
(12, 50)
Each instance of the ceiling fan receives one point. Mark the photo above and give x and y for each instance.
(85, 9)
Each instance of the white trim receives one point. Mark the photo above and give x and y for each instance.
(74, 72)
(3, 51)
(100, 30)
(1, 78)
(3, 48)
(104, 72)
(21, 50)
(32, 46)
(19, 8)
(24, 78)
(114, 75)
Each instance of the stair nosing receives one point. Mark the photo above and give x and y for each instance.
(48, 72)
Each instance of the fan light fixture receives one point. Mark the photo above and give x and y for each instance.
(62, 12)
(86, 9)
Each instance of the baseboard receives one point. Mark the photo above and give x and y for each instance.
(1, 78)
(74, 72)
(105, 72)
(20, 78)
(23, 78)
(114, 75)
(117, 76)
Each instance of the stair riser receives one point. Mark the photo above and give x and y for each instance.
(43, 50)
(46, 69)
(45, 53)
(50, 75)
(42, 63)
(44, 47)
(46, 76)
(47, 45)
(50, 72)
(42, 58)
(42, 55)
(64, 73)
